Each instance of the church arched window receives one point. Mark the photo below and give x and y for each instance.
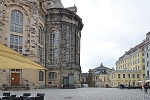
(40, 35)
(16, 21)
(41, 76)
(54, 38)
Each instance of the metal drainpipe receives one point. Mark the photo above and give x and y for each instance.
(45, 50)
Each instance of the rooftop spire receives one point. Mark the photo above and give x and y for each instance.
(101, 65)
(57, 4)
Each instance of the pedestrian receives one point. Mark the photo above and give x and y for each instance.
(62, 86)
(141, 86)
(145, 87)
(122, 86)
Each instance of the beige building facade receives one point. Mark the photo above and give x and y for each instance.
(23, 28)
(21, 25)
(100, 76)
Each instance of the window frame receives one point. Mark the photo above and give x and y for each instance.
(52, 76)
(16, 21)
(40, 40)
(119, 76)
(16, 43)
(41, 76)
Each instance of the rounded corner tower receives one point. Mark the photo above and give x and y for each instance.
(62, 33)
(53, 4)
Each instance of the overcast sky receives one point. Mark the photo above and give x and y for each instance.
(111, 27)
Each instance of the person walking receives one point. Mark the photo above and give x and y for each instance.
(145, 87)
(141, 86)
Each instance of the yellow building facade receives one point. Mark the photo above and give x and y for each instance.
(130, 68)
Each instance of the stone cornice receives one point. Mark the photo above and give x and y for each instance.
(68, 16)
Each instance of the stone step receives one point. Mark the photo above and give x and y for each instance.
(16, 88)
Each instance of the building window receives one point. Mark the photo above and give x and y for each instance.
(147, 73)
(146, 47)
(33, 46)
(123, 75)
(133, 75)
(41, 76)
(143, 60)
(40, 36)
(118, 75)
(135, 61)
(54, 38)
(40, 54)
(147, 63)
(54, 44)
(143, 67)
(96, 77)
(142, 54)
(147, 55)
(133, 83)
(138, 68)
(16, 43)
(107, 78)
(147, 40)
(16, 21)
(53, 55)
(138, 76)
(143, 75)
(128, 75)
(52, 76)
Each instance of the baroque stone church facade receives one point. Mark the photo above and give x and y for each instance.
(45, 32)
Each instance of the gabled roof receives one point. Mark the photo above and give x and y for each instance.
(101, 69)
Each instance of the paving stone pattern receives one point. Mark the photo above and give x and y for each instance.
(88, 94)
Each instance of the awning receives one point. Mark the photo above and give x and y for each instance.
(10, 59)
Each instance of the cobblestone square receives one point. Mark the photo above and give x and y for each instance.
(88, 94)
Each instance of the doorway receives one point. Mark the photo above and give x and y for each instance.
(15, 79)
